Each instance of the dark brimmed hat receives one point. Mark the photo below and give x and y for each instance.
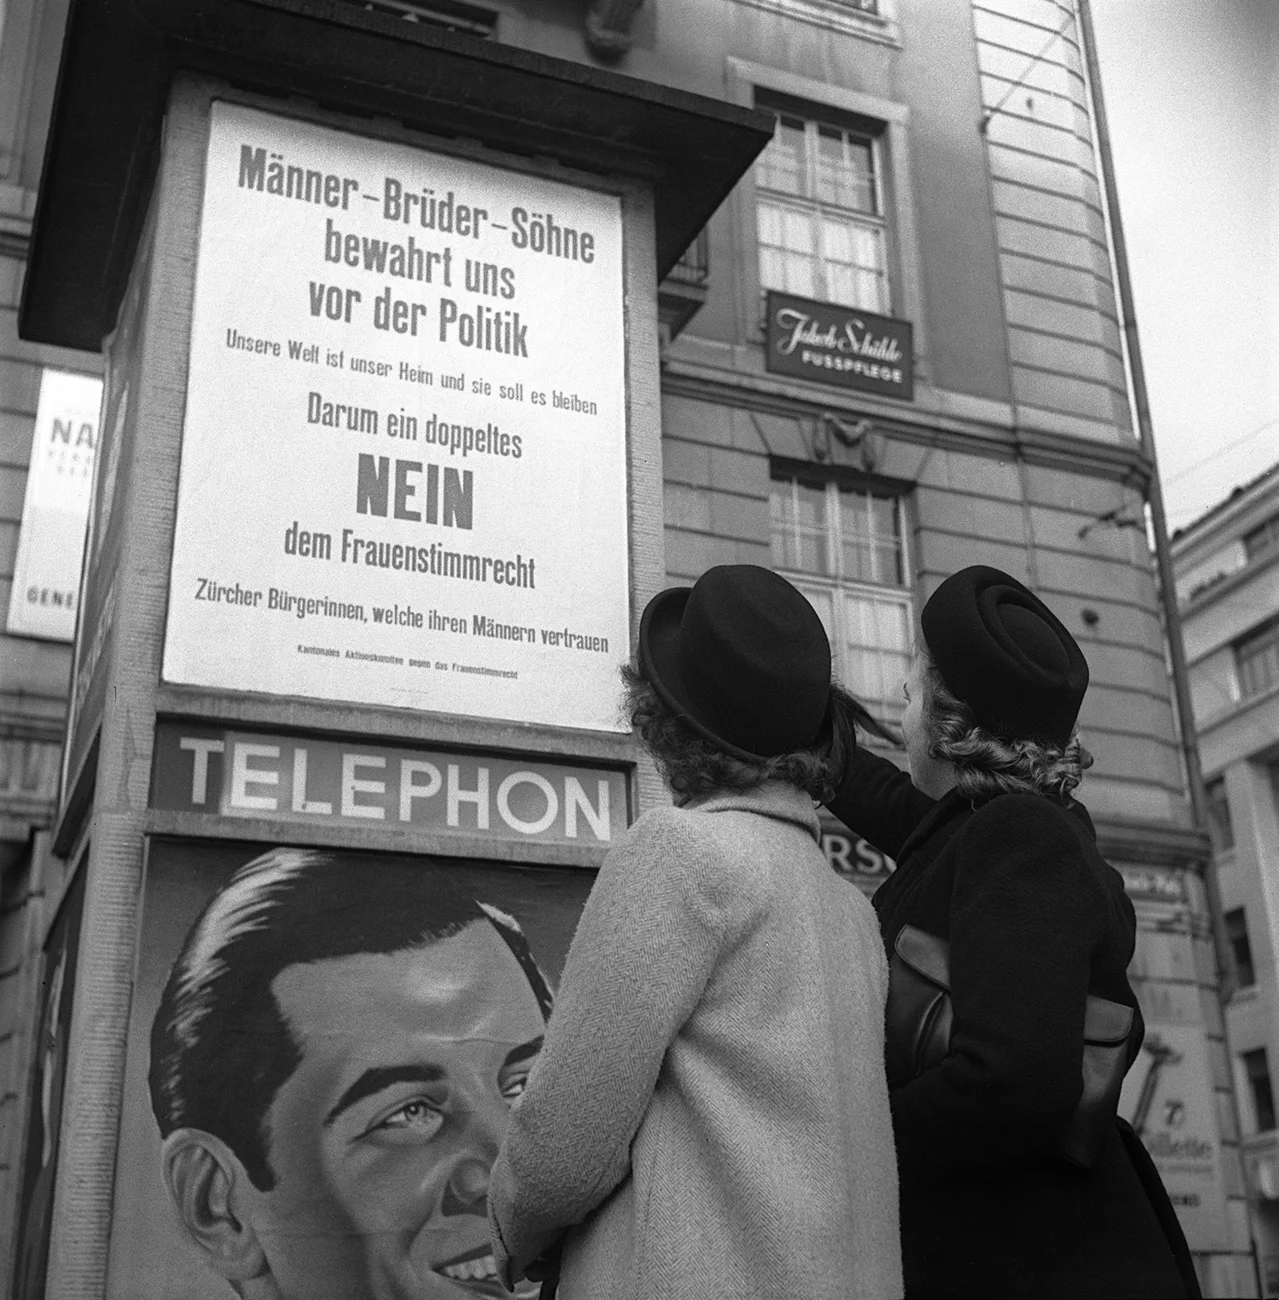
(741, 657)
(1006, 655)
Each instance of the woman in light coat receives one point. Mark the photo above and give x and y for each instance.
(709, 1114)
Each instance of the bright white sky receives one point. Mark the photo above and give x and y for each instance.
(1192, 97)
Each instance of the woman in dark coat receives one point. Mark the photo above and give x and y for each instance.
(995, 857)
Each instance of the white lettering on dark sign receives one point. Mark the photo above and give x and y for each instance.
(839, 345)
(857, 860)
(296, 779)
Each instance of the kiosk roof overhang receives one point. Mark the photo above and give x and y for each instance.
(119, 58)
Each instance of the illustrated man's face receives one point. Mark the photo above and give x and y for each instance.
(383, 1137)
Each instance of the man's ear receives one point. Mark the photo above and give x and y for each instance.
(209, 1186)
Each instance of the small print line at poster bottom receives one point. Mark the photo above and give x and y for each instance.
(437, 665)
(407, 616)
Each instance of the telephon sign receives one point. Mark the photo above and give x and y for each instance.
(840, 346)
(302, 780)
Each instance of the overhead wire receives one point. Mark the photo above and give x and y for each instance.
(1221, 451)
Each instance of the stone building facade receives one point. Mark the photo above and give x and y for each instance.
(34, 672)
(1228, 586)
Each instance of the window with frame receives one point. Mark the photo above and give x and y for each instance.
(1257, 1068)
(844, 545)
(1265, 537)
(820, 208)
(1221, 829)
(1236, 921)
(1257, 659)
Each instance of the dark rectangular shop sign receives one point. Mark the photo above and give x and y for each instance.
(305, 780)
(840, 346)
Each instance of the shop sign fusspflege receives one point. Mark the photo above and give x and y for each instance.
(842, 346)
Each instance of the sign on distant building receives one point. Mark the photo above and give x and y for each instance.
(856, 859)
(1154, 884)
(46, 571)
(842, 346)
(403, 476)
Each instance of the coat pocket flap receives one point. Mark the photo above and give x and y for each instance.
(927, 955)
(1106, 1022)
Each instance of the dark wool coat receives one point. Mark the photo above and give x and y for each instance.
(1036, 920)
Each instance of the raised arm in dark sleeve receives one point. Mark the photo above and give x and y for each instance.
(877, 801)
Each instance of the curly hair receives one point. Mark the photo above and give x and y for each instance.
(693, 766)
(987, 765)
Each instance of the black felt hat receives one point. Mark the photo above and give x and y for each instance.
(741, 657)
(1002, 651)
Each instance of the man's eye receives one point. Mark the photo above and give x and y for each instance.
(513, 1086)
(417, 1116)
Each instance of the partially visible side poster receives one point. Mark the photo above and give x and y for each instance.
(46, 570)
(48, 1078)
(403, 477)
(1169, 1100)
(323, 1051)
(108, 508)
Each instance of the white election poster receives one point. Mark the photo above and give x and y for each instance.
(403, 469)
(46, 570)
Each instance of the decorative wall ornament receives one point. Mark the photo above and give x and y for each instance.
(860, 436)
(608, 27)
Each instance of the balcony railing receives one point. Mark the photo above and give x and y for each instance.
(694, 266)
(454, 15)
(28, 783)
(681, 294)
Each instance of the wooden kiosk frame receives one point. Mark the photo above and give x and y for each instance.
(113, 259)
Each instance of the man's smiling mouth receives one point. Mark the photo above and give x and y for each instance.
(473, 1266)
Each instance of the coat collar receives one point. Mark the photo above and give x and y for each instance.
(953, 807)
(1081, 815)
(777, 799)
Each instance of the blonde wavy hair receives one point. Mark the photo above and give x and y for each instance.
(984, 764)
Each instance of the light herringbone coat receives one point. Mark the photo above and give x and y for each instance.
(710, 1107)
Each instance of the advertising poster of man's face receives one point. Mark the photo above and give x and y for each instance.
(332, 1045)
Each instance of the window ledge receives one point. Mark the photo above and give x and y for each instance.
(835, 15)
(1256, 697)
(1198, 601)
(1238, 708)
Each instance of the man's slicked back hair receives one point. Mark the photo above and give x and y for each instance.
(220, 1046)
